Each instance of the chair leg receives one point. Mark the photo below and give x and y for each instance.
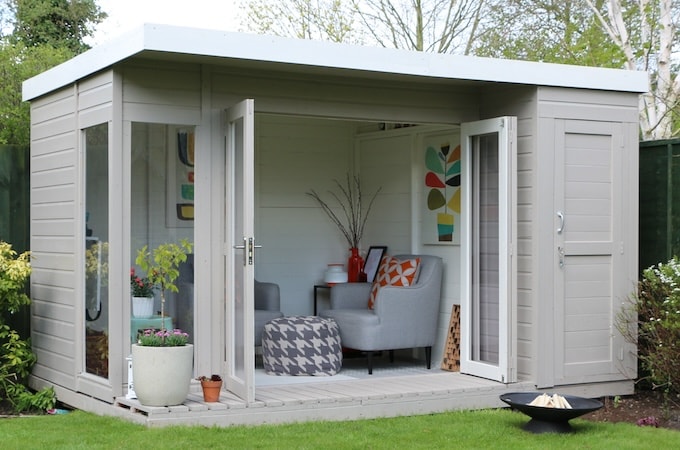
(369, 356)
(392, 356)
(428, 356)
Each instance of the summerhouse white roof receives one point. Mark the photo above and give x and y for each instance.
(295, 55)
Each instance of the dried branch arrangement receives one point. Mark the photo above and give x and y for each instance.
(352, 204)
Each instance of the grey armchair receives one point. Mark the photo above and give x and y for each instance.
(267, 301)
(403, 317)
(267, 307)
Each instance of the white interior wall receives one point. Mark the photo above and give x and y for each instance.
(294, 155)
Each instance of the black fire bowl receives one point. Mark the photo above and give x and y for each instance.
(549, 420)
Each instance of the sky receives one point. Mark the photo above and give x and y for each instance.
(125, 15)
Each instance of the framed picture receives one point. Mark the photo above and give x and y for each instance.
(373, 258)
(440, 211)
(180, 178)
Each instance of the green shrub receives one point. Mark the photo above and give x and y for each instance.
(16, 357)
(656, 312)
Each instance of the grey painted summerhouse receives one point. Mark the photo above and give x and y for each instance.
(529, 169)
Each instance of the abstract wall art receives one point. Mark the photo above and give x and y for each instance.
(180, 189)
(442, 190)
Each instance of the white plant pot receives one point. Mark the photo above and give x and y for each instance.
(162, 375)
(142, 307)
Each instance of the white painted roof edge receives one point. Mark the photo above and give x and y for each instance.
(221, 44)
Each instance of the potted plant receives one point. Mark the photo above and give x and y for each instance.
(355, 213)
(162, 265)
(162, 360)
(211, 386)
(142, 295)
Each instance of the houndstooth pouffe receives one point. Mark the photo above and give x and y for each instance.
(301, 345)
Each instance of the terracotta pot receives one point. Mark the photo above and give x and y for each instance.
(162, 375)
(211, 390)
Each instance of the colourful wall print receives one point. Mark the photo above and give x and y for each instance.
(441, 216)
(180, 208)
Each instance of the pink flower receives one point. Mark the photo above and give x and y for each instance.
(650, 421)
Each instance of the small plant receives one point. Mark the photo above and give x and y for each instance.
(652, 322)
(140, 287)
(16, 356)
(650, 421)
(163, 338)
(162, 265)
(213, 377)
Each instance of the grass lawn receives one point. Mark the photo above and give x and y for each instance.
(460, 429)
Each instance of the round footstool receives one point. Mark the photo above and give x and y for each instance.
(301, 345)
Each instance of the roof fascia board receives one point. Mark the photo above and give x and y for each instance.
(385, 60)
(84, 65)
(298, 52)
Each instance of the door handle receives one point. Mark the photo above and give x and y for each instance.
(249, 244)
(560, 215)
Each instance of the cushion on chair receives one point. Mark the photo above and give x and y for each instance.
(393, 272)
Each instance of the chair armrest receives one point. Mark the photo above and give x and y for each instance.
(267, 296)
(393, 303)
(350, 295)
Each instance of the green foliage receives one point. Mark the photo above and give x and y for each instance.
(25, 400)
(45, 33)
(16, 357)
(56, 23)
(565, 32)
(17, 64)
(14, 271)
(653, 323)
(162, 265)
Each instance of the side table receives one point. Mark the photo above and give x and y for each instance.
(138, 324)
(316, 290)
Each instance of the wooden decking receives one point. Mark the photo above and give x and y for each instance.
(331, 400)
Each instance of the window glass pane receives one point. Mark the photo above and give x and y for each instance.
(162, 211)
(96, 250)
(486, 270)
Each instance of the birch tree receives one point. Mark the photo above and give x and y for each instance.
(645, 32)
(627, 34)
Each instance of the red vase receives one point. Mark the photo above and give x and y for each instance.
(354, 266)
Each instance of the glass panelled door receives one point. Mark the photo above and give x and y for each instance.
(162, 211)
(239, 250)
(488, 301)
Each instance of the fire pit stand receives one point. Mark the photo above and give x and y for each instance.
(549, 420)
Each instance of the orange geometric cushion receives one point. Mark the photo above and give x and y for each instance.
(393, 272)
